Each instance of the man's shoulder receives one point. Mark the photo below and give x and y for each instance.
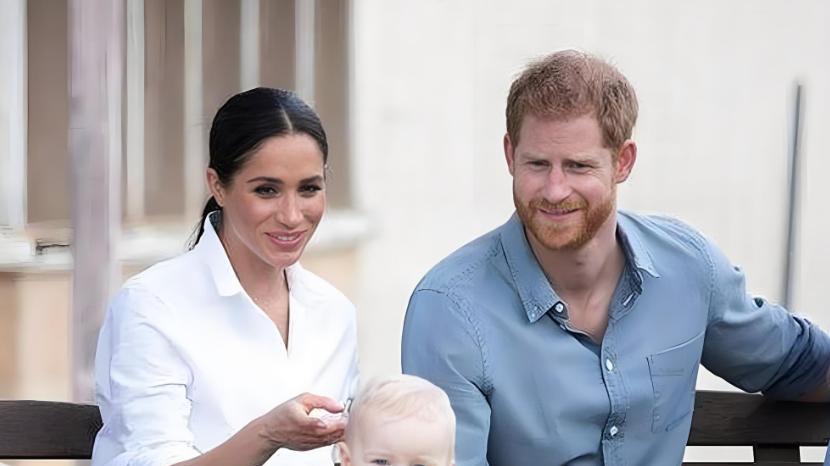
(465, 265)
(660, 228)
(667, 241)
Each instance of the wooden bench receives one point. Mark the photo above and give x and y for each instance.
(47, 430)
(775, 430)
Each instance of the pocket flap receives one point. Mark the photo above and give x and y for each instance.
(673, 376)
(677, 360)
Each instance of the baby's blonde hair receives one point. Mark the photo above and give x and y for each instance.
(399, 397)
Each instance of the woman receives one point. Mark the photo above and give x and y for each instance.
(204, 359)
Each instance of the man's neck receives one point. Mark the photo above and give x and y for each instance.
(575, 272)
(585, 278)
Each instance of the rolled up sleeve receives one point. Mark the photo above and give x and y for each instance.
(441, 345)
(758, 346)
(141, 389)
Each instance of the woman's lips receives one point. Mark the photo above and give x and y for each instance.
(286, 240)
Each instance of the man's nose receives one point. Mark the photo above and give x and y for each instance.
(557, 186)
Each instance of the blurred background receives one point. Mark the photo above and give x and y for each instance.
(412, 96)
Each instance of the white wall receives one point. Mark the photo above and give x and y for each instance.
(13, 107)
(714, 81)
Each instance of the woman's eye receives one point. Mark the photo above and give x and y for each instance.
(379, 461)
(265, 190)
(311, 188)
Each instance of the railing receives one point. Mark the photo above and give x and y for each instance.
(774, 430)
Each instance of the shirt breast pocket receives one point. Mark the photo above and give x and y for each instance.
(673, 375)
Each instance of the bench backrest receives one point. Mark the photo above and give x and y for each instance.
(775, 430)
(47, 429)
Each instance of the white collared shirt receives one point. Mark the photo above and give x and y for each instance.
(186, 359)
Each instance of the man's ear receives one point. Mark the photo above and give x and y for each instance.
(345, 455)
(626, 157)
(215, 186)
(509, 152)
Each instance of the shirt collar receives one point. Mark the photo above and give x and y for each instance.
(216, 259)
(533, 286)
(224, 277)
(535, 291)
(635, 251)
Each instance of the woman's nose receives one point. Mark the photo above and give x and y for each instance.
(289, 212)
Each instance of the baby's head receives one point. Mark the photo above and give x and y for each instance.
(401, 420)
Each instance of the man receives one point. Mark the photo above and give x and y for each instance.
(573, 333)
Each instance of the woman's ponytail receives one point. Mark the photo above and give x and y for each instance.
(210, 206)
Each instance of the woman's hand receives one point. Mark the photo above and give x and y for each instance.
(289, 425)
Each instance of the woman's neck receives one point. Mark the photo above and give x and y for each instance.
(260, 280)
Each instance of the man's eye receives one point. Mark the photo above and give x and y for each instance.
(538, 163)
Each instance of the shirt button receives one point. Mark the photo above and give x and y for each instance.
(559, 307)
(613, 431)
(609, 365)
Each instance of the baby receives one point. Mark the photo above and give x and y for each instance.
(401, 420)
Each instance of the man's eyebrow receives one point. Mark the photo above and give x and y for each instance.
(530, 156)
(583, 157)
(577, 157)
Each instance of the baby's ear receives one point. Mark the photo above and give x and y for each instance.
(345, 456)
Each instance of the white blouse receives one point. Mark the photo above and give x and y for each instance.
(186, 359)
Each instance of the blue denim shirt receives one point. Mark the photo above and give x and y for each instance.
(529, 389)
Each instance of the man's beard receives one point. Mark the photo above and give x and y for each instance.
(569, 235)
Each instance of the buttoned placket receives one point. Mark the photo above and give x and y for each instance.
(614, 431)
(559, 313)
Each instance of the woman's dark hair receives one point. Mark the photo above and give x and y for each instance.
(244, 122)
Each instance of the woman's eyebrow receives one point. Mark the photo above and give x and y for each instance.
(266, 179)
(312, 179)
(269, 179)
